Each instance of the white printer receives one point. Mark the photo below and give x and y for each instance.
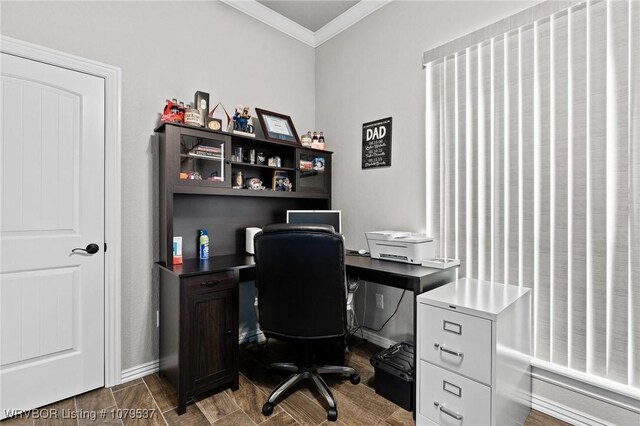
(400, 246)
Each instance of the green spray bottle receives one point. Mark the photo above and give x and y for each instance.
(204, 244)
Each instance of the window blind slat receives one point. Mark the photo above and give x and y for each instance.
(559, 123)
(634, 195)
(617, 189)
(526, 168)
(461, 163)
(484, 162)
(472, 162)
(497, 163)
(597, 191)
(512, 146)
(577, 203)
(450, 155)
(542, 186)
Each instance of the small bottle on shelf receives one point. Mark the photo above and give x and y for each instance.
(321, 144)
(315, 143)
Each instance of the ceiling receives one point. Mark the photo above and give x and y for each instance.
(311, 21)
(311, 14)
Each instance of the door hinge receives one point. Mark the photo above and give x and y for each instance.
(105, 247)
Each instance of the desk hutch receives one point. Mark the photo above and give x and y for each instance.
(199, 299)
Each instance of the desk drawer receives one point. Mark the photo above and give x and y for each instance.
(447, 398)
(455, 341)
(209, 281)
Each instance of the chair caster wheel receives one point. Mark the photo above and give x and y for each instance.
(354, 378)
(332, 416)
(267, 409)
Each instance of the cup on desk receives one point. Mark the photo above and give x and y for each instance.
(250, 234)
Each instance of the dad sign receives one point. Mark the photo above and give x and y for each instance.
(376, 143)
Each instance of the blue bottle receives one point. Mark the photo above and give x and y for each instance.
(204, 244)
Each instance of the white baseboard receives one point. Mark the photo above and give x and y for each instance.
(562, 412)
(567, 396)
(376, 338)
(140, 371)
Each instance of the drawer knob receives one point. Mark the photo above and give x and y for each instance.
(449, 351)
(210, 283)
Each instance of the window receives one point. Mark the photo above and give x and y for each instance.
(533, 177)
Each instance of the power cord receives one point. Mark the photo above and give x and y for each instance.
(359, 327)
(392, 315)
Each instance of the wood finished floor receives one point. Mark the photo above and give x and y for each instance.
(357, 405)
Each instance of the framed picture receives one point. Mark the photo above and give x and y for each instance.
(281, 181)
(277, 127)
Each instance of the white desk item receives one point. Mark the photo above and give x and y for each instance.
(400, 246)
(440, 263)
(250, 233)
(473, 354)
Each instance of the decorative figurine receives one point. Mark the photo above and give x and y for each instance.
(261, 158)
(241, 121)
(254, 183)
(172, 113)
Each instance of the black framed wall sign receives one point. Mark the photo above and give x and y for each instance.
(376, 143)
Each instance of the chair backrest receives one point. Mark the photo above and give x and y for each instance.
(300, 276)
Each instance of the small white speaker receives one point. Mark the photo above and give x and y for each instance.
(250, 233)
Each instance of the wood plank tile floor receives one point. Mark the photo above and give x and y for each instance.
(357, 405)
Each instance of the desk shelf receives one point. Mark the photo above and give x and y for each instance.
(260, 166)
(201, 190)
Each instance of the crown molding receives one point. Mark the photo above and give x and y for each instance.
(314, 39)
(272, 18)
(351, 16)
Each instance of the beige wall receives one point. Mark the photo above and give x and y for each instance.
(166, 49)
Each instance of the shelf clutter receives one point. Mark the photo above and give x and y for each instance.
(225, 152)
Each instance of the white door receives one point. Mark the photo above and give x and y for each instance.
(52, 201)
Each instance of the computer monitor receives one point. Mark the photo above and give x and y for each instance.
(316, 217)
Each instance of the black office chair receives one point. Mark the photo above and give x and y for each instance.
(302, 290)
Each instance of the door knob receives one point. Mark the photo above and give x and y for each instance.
(91, 249)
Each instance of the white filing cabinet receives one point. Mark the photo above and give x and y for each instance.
(473, 354)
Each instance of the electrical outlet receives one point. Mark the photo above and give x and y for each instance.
(379, 301)
(157, 318)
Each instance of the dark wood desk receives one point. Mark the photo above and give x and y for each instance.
(414, 278)
(405, 276)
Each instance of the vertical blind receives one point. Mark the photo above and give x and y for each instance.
(533, 177)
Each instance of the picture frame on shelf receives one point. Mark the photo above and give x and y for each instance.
(277, 127)
(280, 181)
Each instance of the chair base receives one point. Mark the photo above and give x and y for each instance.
(312, 373)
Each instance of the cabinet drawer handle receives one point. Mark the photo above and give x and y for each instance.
(210, 283)
(449, 412)
(449, 351)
